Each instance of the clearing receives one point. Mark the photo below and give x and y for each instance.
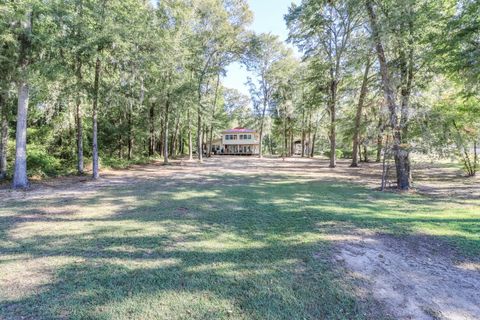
(241, 238)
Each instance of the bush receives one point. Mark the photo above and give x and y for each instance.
(347, 154)
(41, 163)
(121, 163)
(338, 153)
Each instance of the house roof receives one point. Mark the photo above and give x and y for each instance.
(239, 130)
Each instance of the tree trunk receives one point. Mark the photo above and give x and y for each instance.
(303, 133)
(358, 116)
(462, 148)
(475, 157)
(402, 161)
(151, 144)
(262, 122)
(80, 164)
(3, 138)
(312, 151)
(210, 141)
(333, 124)
(309, 134)
(291, 137)
(199, 134)
(285, 138)
(379, 148)
(20, 179)
(190, 140)
(95, 166)
(78, 111)
(130, 130)
(379, 138)
(384, 166)
(165, 131)
(175, 139)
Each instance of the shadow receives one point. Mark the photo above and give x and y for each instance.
(207, 246)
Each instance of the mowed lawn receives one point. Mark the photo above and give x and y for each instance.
(216, 247)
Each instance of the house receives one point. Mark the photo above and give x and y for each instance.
(298, 147)
(237, 141)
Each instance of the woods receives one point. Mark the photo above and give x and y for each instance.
(239, 159)
(87, 84)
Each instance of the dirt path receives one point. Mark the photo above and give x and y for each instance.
(411, 279)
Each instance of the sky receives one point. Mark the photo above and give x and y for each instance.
(268, 17)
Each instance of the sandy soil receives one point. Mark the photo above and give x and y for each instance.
(409, 276)
(430, 180)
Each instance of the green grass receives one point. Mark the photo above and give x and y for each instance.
(220, 248)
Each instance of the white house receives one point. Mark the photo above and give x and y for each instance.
(237, 141)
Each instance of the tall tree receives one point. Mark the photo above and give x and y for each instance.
(358, 116)
(264, 51)
(20, 179)
(324, 29)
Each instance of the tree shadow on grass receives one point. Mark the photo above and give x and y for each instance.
(230, 247)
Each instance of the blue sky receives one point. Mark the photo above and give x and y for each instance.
(268, 17)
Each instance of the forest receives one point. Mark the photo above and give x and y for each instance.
(91, 83)
(360, 198)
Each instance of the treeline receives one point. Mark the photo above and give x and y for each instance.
(110, 81)
(387, 78)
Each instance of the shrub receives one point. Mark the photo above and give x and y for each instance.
(338, 153)
(41, 163)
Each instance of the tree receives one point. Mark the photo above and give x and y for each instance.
(323, 29)
(20, 179)
(358, 116)
(264, 51)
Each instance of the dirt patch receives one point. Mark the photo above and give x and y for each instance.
(413, 279)
(434, 181)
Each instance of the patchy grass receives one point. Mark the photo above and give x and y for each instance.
(226, 247)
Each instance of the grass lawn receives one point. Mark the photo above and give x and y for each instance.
(226, 247)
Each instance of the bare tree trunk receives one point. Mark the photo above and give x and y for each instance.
(78, 116)
(3, 138)
(165, 132)
(190, 140)
(213, 115)
(469, 167)
(199, 134)
(303, 133)
(262, 122)
(20, 179)
(291, 138)
(151, 145)
(285, 138)
(384, 167)
(130, 130)
(333, 124)
(175, 139)
(95, 165)
(402, 162)
(358, 116)
(379, 139)
(475, 157)
(312, 151)
(309, 134)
